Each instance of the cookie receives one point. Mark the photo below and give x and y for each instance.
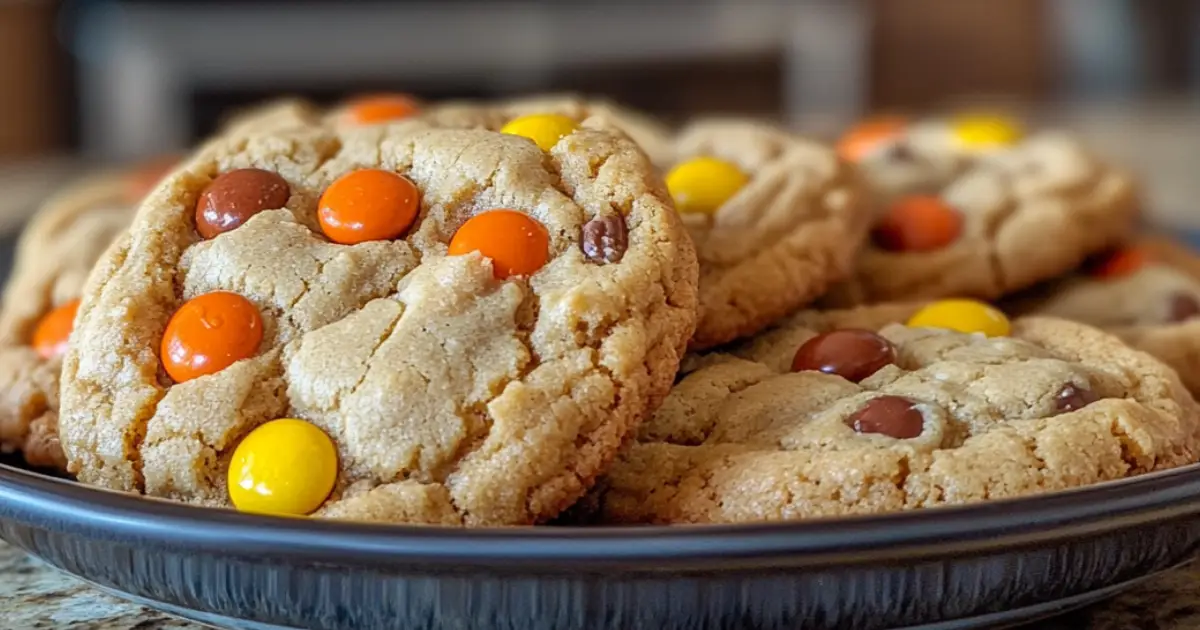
(851, 412)
(776, 219)
(386, 322)
(972, 208)
(1148, 294)
(550, 116)
(59, 246)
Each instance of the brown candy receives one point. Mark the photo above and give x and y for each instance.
(1073, 398)
(605, 239)
(232, 198)
(893, 416)
(851, 353)
(1183, 307)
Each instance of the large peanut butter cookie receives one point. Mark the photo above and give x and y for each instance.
(56, 251)
(973, 209)
(382, 322)
(1147, 294)
(776, 219)
(850, 412)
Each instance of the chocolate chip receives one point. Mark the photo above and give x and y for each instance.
(851, 353)
(901, 152)
(1073, 398)
(1183, 307)
(232, 198)
(605, 239)
(893, 416)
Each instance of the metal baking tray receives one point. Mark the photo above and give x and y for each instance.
(965, 567)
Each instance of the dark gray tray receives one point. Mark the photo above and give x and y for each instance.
(977, 566)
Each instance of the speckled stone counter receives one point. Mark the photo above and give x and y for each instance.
(35, 596)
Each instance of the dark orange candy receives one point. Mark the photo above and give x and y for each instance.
(379, 108)
(867, 135)
(517, 244)
(1121, 262)
(50, 336)
(368, 205)
(209, 333)
(918, 223)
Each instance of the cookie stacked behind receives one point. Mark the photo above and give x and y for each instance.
(971, 208)
(415, 324)
(1146, 292)
(54, 255)
(851, 412)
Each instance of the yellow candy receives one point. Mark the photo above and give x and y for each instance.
(704, 184)
(968, 316)
(544, 129)
(980, 132)
(285, 467)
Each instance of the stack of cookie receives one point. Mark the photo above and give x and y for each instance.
(511, 313)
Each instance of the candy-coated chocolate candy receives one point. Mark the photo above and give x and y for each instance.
(1073, 398)
(1184, 307)
(968, 316)
(604, 239)
(1119, 263)
(864, 137)
(980, 132)
(893, 416)
(381, 108)
(50, 336)
(544, 129)
(235, 196)
(704, 184)
(368, 205)
(515, 242)
(141, 180)
(918, 223)
(851, 353)
(286, 467)
(209, 333)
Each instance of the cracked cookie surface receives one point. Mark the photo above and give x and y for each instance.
(957, 220)
(951, 418)
(777, 241)
(1148, 294)
(54, 255)
(453, 394)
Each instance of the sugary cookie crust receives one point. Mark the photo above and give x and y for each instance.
(744, 439)
(453, 397)
(1031, 212)
(793, 230)
(53, 257)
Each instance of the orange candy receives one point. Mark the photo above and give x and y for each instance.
(142, 179)
(867, 135)
(209, 333)
(918, 223)
(1121, 262)
(50, 336)
(381, 108)
(368, 205)
(517, 244)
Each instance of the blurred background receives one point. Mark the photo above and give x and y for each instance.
(112, 80)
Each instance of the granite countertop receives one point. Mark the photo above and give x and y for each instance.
(34, 595)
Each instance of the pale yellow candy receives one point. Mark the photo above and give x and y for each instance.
(968, 316)
(704, 184)
(286, 467)
(544, 129)
(981, 132)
